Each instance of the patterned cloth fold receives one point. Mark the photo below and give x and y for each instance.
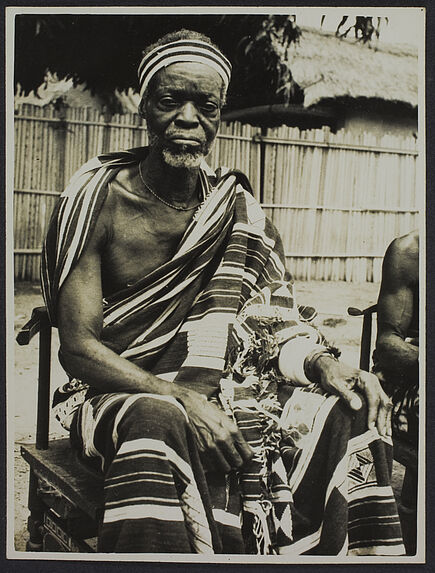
(319, 483)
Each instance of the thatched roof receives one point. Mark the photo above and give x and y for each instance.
(327, 67)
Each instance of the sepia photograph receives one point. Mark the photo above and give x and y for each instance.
(215, 233)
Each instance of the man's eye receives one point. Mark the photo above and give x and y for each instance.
(167, 102)
(210, 107)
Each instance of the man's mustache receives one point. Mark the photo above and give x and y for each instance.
(194, 137)
(202, 146)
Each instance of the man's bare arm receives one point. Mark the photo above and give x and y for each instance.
(80, 314)
(396, 308)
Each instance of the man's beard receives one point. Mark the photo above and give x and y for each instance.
(180, 156)
(182, 159)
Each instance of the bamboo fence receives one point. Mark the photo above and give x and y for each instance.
(337, 199)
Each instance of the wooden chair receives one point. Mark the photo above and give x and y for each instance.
(403, 452)
(65, 496)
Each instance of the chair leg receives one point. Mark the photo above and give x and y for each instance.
(36, 518)
(408, 511)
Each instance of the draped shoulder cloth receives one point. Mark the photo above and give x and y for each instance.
(177, 321)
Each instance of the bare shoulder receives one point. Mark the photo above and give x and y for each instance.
(126, 184)
(125, 175)
(118, 192)
(402, 258)
(123, 193)
(407, 245)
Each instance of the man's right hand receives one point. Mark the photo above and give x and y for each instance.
(220, 442)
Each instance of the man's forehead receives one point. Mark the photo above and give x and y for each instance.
(189, 74)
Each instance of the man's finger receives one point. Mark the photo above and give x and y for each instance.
(355, 402)
(372, 417)
(200, 439)
(232, 456)
(214, 461)
(381, 422)
(372, 397)
(243, 447)
(345, 393)
(386, 408)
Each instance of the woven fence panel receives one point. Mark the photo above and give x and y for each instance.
(337, 199)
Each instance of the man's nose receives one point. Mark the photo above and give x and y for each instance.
(187, 115)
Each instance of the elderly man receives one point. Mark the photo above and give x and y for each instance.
(396, 358)
(222, 421)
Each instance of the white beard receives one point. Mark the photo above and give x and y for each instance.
(182, 159)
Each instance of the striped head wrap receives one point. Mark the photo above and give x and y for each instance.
(183, 51)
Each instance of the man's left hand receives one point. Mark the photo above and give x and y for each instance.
(345, 381)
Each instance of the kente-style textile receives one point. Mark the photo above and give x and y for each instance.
(212, 319)
(328, 476)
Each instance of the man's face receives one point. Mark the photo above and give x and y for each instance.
(182, 111)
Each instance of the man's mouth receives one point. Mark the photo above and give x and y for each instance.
(185, 141)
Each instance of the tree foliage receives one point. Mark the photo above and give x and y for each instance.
(103, 51)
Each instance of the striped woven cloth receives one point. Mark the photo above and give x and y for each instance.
(176, 322)
(211, 319)
(319, 483)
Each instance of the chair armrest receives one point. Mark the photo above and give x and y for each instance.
(352, 311)
(308, 313)
(32, 326)
(366, 334)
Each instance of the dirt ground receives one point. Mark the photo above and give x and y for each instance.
(331, 299)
